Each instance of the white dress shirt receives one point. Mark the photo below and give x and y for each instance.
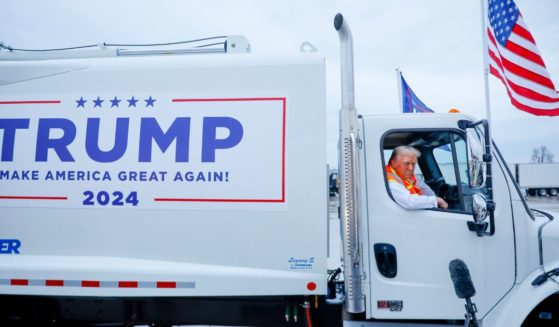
(413, 201)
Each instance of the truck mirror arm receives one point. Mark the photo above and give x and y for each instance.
(488, 158)
(491, 210)
(480, 227)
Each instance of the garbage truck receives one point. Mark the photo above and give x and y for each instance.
(148, 186)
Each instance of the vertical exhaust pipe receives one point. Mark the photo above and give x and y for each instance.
(346, 61)
(349, 175)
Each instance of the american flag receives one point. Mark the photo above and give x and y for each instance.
(516, 61)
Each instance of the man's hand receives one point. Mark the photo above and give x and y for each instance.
(441, 203)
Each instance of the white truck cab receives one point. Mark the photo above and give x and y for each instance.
(391, 253)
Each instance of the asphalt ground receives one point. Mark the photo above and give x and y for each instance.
(544, 203)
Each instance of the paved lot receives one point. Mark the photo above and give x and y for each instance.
(544, 203)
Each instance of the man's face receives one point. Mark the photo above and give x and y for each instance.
(404, 165)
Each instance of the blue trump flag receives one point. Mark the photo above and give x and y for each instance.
(410, 102)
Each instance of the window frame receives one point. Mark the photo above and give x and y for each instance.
(461, 133)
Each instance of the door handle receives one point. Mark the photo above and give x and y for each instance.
(387, 263)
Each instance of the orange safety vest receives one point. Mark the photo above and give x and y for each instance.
(392, 176)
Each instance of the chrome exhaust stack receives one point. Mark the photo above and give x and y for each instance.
(350, 197)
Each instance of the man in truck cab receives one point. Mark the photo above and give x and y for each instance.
(409, 192)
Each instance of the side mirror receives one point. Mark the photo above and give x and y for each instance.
(479, 207)
(476, 167)
(479, 173)
(480, 211)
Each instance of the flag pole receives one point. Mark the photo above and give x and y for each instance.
(400, 95)
(486, 70)
(488, 145)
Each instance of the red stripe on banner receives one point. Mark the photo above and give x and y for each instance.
(520, 90)
(283, 152)
(18, 197)
(496, 59)
(527, 74)
(491, 37)
(518, 105)
(166, 285)
(91, 283)
(531, 94)
(19, 282)
(524, 33)
(515, 48)
(408, 100)
(54, 282)
(227, 99)
(31, 102)
(525, 53)
(214, 200)
(127, 284)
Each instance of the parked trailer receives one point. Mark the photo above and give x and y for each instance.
(538, 179)
(181, 187)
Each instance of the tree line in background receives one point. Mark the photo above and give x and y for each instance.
(541, 155)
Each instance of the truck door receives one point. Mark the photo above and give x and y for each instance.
(409, 250)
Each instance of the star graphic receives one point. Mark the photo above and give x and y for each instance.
(81, 102)
(149, 101)
(114, 102)
(98, 102)
(132, 102)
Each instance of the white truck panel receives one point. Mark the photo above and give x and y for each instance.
(250, 218)
(538, 175)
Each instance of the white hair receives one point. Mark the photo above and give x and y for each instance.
(404, 150)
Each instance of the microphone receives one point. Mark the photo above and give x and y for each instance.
(461, 279)
(464, 288)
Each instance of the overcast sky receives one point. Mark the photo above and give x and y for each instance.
(435, 43)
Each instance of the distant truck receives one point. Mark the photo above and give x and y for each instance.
(537, 179)
(189, 187)
(333, 182)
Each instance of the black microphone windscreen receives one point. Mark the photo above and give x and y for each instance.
(461, 279)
